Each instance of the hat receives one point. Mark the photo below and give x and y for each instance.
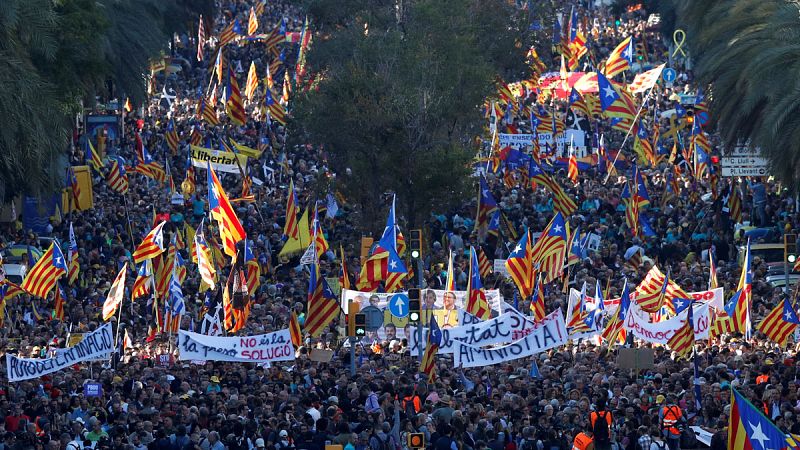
(660, 399)
(259, 442)
(283, 433)
(117, 379)
(215, 379)
(769, 362)
(333, 399)
(170, 378)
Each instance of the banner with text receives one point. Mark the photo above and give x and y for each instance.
(549, 333)
(502, 329)
(271, 347)
(221, 161)
(638, 323)
(97, 343)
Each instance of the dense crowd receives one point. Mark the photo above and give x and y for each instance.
(156, 403)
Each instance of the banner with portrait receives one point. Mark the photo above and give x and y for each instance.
(443, 305)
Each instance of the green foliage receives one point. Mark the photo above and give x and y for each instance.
(747, 51)
(400, 99)
(56, 53)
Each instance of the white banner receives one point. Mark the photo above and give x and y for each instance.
(544, 335)
(713, 297)
(502, 329)
(94, 344)
(261, 348)
(221, 161)
(443, 305)
(638, 323)
(517, 141)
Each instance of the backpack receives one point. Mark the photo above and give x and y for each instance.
(688, 438)
(409, 407)
(661, 445)
(528, 444)
(600, 428)
(383, 444)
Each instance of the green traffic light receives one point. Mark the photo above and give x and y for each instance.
(792, 258)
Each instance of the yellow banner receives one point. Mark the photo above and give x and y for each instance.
(221, 161)
(86, 197)
(247, 151)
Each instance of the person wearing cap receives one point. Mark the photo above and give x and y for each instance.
(284, 441)
(214, 385)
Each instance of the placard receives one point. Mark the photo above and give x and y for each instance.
(635, 358)
(261, 348)
(320, 355)
(549, 333)
(94, 344)
(92, 390)
(499, 267)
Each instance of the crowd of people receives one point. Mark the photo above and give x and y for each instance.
(578, 396)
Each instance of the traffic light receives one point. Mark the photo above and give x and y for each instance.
(415, 243)
(352, 310)
(360, 325)
(414, 305)
(641, 53)
(416, 440)
(790, 248)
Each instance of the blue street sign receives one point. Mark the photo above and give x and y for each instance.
(669, 75)
(398, 305)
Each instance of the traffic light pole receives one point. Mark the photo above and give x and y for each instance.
(419, 325)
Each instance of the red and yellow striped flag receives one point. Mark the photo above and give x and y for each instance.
(230, 229)
(42, 277)
(151, 246)
(295, 331)
(252, 81)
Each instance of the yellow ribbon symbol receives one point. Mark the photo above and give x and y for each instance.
(679, 37)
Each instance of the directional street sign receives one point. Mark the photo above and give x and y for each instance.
(398, 305)
(669, 75)
(744, 172)
(744, 164)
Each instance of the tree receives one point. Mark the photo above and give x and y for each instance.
(55, 54)
(746, 51)
(401, 88)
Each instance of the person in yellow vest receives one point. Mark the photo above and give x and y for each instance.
(584, 440)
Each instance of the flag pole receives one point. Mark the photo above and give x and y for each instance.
(119, 319)
(628, 133)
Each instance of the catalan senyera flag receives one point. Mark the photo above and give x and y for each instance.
(93, 156)
(712, 270)
(484, 266)
(114, 297)
(252, 267)
(230, 229)
(233, 100)
(291, 227)
(550, 250)
(75, 188)
(476, 296)
(117, 177)
(229, 33)
(252, 81)
(486, 203)
(738, 307)
(575, 249)
(428, 365)
(151, 246)
(577, 103)
(72, 256)
(295, 331)
(616, 326)
(682, 342)
(252, 22)
(205, 265)
(450, 282)
(613, 102)
(537, 302)
(780, 323)
(652, 301)
(344, 275)
(520, 265)
(206, 110)
(750, 429)
(320, 243)
(42, 277)
(58, 303)
(572, 168)
(201, 38)
(562, 201)
(620, 58)
(323, 305)
(144, 280)
(171, 136)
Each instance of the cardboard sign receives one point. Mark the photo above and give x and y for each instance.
(320, 355)
(635, 358)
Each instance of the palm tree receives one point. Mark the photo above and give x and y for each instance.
(747, 52)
